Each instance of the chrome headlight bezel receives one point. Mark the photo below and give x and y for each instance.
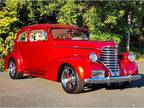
(131, 57)
(93, 57)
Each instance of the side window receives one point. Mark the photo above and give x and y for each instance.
(22, 37)
(38, 35)
(69, 34)
(60, 33)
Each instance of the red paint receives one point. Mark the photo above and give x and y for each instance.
(44, 58)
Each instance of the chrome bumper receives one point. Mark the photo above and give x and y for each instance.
(109, 80)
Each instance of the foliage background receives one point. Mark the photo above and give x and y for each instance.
(106, 20)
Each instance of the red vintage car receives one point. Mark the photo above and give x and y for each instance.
(65, 54)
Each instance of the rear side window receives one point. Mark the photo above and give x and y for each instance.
(69, 34)
(38, 35)
(22, 37)
(60, 33)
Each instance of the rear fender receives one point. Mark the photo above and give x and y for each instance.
(18, 60)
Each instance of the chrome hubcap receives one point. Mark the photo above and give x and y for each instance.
(68, 78)
(12, 68)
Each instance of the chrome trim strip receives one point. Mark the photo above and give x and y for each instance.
(78, 47)
(108, 80)
(109, 54)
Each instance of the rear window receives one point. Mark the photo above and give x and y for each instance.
(23, 37)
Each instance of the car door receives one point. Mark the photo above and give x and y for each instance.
(38, 50)
(21, 46)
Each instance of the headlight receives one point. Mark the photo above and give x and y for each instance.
(93, 57)
(131, 57)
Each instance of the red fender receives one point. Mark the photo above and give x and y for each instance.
(18, 60)
(80, 66)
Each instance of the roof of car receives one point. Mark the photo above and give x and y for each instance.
(54, 26)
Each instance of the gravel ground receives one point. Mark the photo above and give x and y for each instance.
(140, 66)
(37, 92)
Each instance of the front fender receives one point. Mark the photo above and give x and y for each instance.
(128, 67)
(81, 66)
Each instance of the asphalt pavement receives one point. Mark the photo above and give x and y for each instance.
(37, 92)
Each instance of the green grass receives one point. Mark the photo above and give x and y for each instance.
(141, 59)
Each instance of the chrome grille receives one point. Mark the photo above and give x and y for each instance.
(109, 57)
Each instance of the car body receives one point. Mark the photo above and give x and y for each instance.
(64, 53)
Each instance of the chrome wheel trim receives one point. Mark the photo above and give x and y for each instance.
(68, 78)
(12, 68)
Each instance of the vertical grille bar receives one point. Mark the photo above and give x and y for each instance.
(109, 58)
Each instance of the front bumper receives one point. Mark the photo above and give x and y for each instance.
(109, 80)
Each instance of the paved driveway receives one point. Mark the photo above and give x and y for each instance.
(37, 92)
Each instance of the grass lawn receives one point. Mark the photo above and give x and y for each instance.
(140, 60)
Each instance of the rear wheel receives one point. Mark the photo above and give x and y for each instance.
(12, 71)
(70, 80)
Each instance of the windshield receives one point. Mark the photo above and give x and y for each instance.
(69, 34)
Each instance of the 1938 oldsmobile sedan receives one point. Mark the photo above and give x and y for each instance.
(65, 54)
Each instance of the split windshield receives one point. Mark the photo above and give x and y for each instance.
(69, 34)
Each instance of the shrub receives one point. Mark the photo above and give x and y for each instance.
(1, 66)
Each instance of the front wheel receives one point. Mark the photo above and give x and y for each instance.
(70, 80)
(12, 71)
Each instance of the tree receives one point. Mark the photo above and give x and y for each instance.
(71, 13)
(106, 20)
